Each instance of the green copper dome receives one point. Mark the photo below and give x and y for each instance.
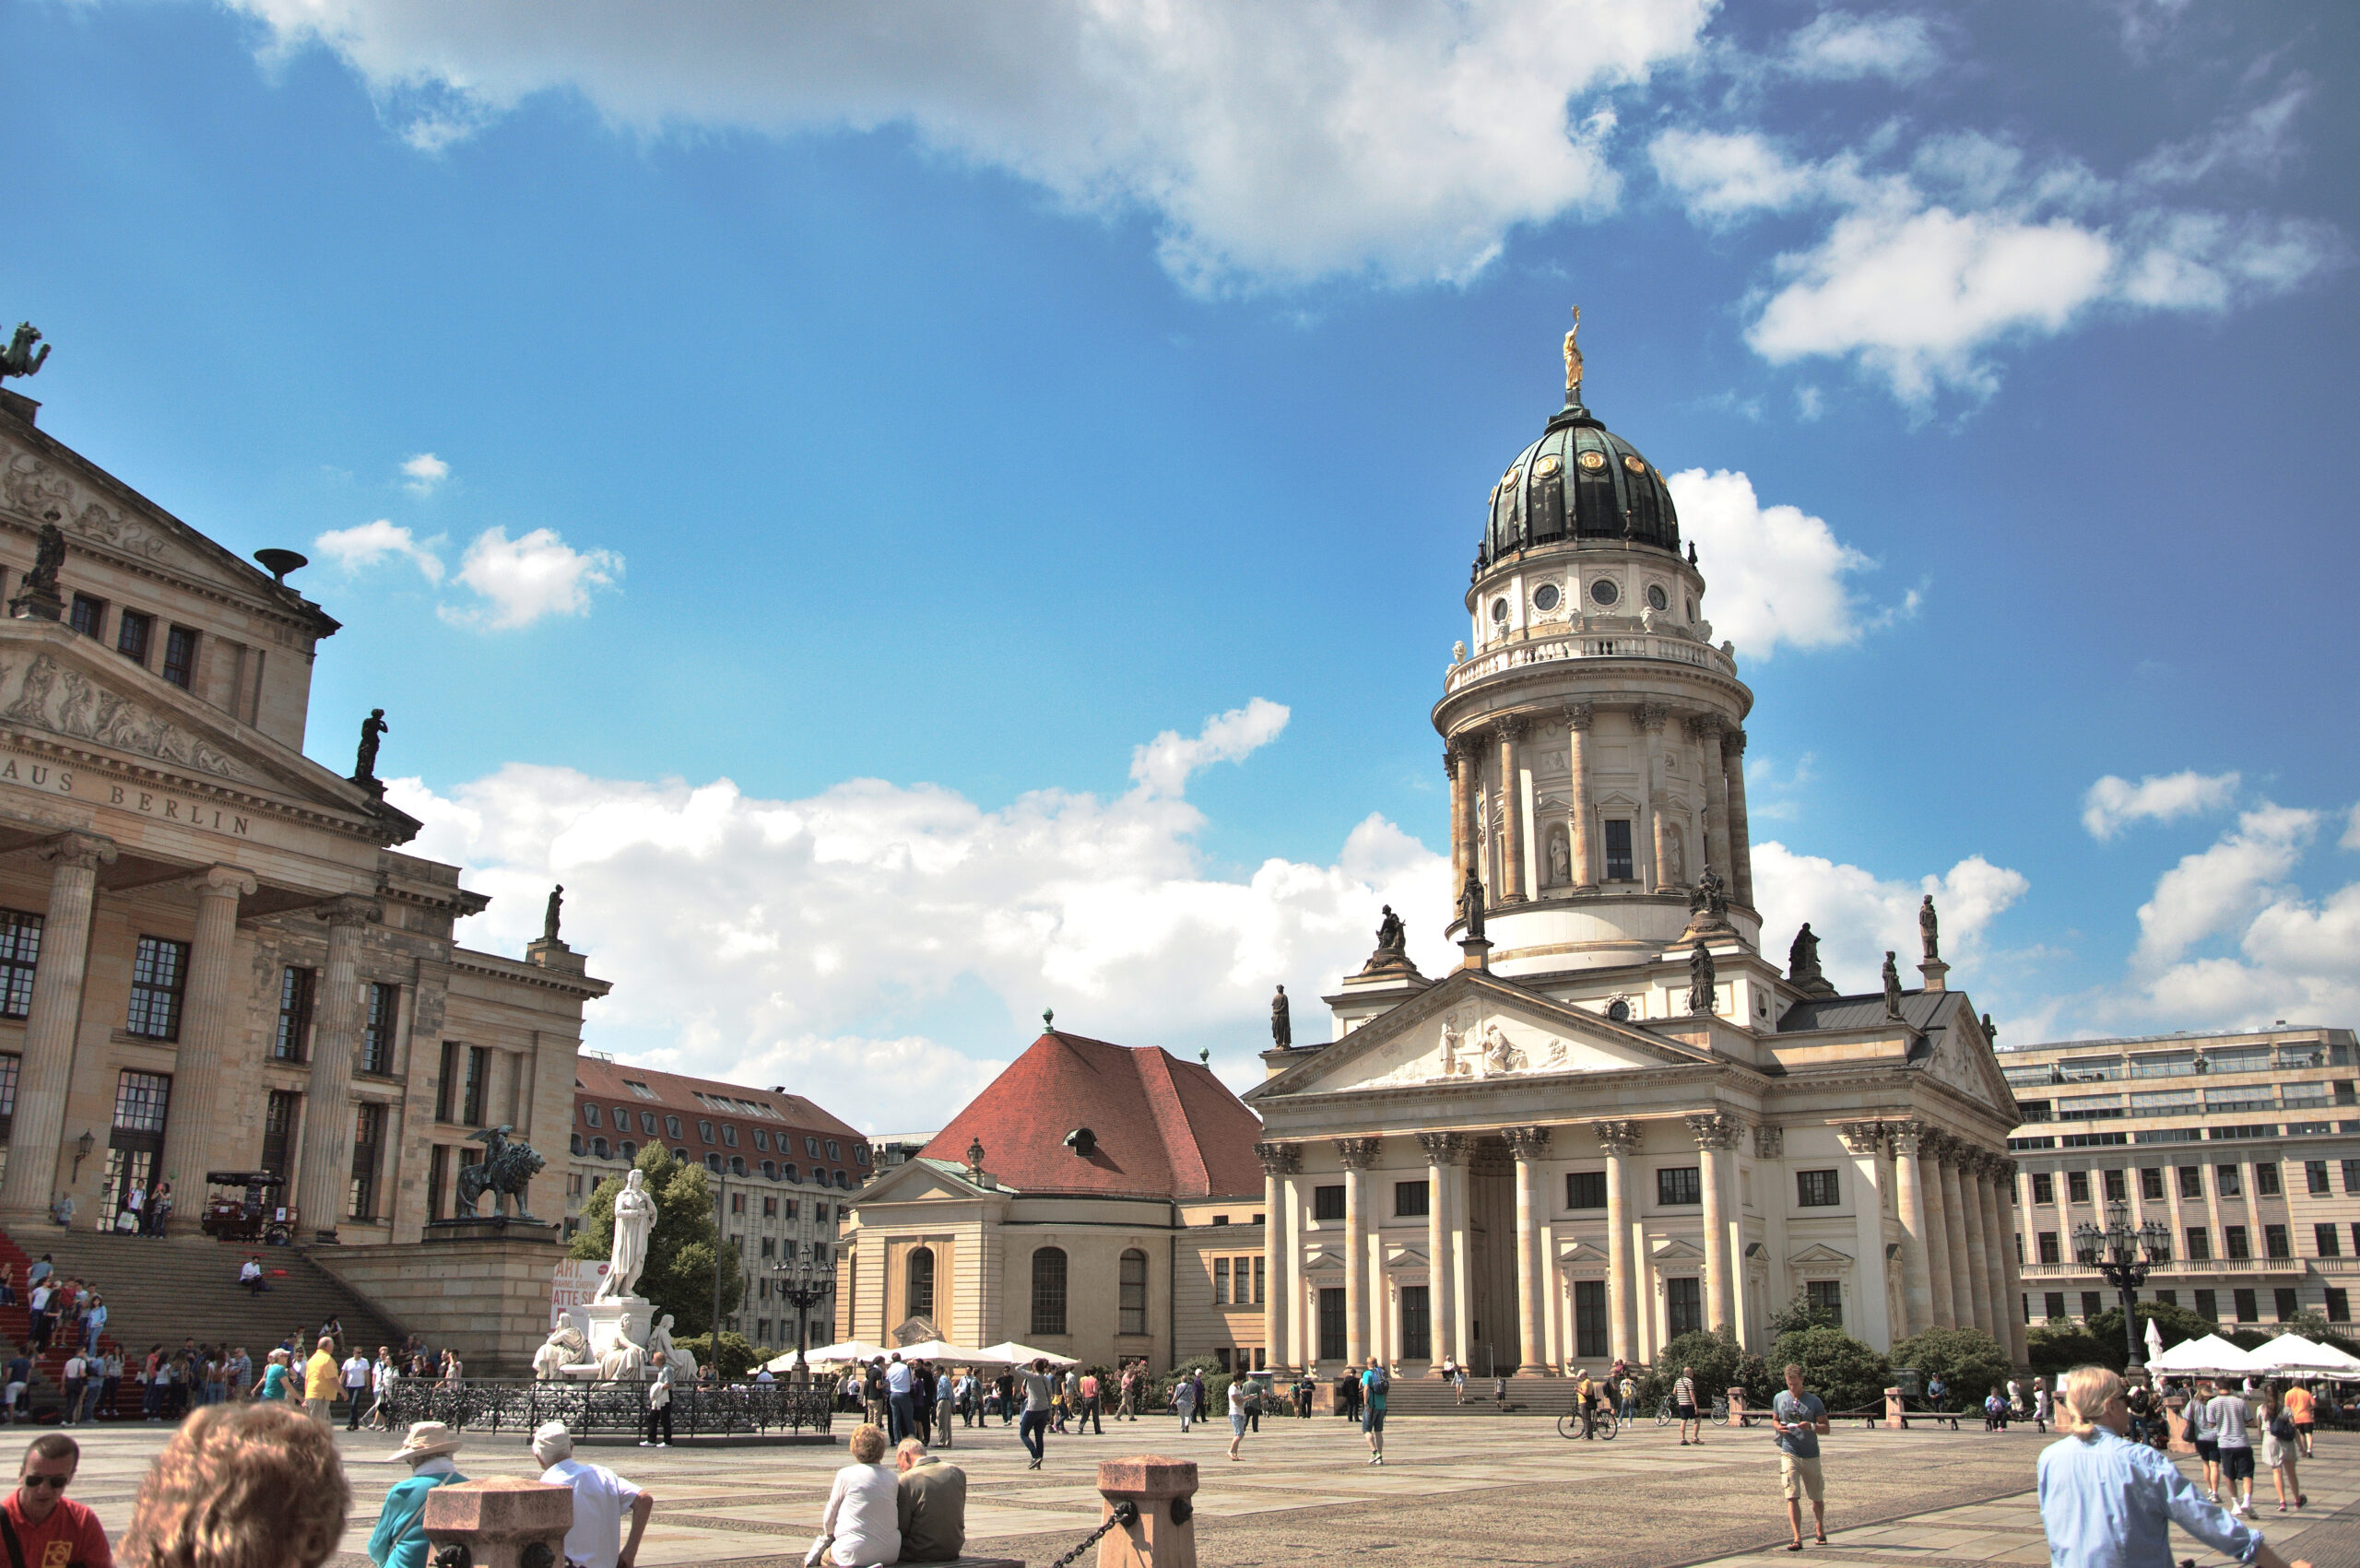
(1580, 481)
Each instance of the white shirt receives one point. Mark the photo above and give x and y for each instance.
(601, 1498)
(864, 1517)
(356, 1373)
(249, 1269)
(897, 1377)
(76, 1369)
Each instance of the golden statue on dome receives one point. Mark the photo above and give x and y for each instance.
(1573, 360)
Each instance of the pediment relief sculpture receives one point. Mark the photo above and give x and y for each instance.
(44, 492)
(49, 694)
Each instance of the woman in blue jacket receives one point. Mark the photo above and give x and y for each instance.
(399, 1540)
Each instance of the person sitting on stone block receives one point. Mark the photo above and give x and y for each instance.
(930, 1504)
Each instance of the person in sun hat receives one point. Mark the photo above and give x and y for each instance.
(399, 1540)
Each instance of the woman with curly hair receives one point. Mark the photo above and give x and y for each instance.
(239, 1486)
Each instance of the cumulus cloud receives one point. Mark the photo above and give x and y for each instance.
(2217, 888)
(358, 547)
(423, 473)
(530, 577)
(1860, 916)
(1779, 574)
(2112, 803)
(1270, 142)
(747, 936)
(1163, 764)
(1837, 46)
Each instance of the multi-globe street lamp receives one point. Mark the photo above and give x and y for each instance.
(805, 1287)
(2124, 1255)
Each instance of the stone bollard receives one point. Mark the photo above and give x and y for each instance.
(1896, 1416)
(506, 1522)
(1163, 1533)
(1737, 1406)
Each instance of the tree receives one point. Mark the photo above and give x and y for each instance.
(2055, 1349)
(1842, 1371)
(1802, 1312)
(678, 1276)
(1968, 1359)
(2174, 1324)
(1718, 1364)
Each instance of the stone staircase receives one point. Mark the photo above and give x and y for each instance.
(163, 1292)
(1421, 1394)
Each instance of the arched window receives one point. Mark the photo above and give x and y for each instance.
(599, 1146)
(844, 1180)
(713, 1163)
(577, 1143)
(736, 1164)
(769, 1170)
(1133, 1285)
(788, 1173)
(630, 1150)
(921, 1281)
(681, 1154)
(1049, 1291)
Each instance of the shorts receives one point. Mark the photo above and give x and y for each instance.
(2302, 1427)
(1371, 1419)
(2236, 1464)
(2209, 1450)
(1685, 1412)
(1237, 1426)
(1799, 1478)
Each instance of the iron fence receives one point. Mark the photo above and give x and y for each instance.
(496, 1404)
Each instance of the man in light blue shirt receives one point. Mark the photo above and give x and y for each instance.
(2107, 1502)
(901, 1409)
(1799, 1419)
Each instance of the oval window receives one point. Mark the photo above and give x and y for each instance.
(1604, 591)
(1657, 597)
(1499, 612)
(1618, 1011)
(1544, 598)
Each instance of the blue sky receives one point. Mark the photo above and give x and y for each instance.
(777, 466)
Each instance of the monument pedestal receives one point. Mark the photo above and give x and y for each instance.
(603, 1323)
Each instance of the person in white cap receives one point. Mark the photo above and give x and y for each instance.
(600, 1497)
(399, 1540)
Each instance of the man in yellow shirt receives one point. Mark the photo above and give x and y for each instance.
(319, 1381)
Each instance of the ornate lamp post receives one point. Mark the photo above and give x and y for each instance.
(2124, 1256)
(806, 1288)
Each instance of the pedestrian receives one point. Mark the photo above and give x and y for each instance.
(2229, 1414)
(1129, 1410)
(1457, 1375)
(2299, 1407)
(251, 1488)
(399, 1539)
(2108, 1503)
(238, 1373)
(1500, 1391)
(1373, 1387)
(77, 1373)
(601, 1498)
(1005, 1386)
(1183, 1401)
(2202, 1432)
(1253, 1403)
(1800, 1420)
(1038, 1390)
(1683, 1407)
(2279, 1449)
(19, 1379)
(2016, 1398)
(900, 1383)
(45, 1526)
(276, 1373)
(42, 1318)
(659, 1402)
(319, 1382)
(356, 1388)
(1937, 1395)
(1090, 1404)
(134, 1218)
(1237, 1387)
(109, 1383)
(945, 1402)
(159, 1209)
(93, 1321)
(1630, 1391)
(2041, 1405)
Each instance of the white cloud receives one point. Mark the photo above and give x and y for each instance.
(1720, 176)
(366, 544)
(524, 579)
(1858, 916)
(423, 473)
(759, 939)
(1163, 764)
(1839, 47)
(2259, 141)
(1273, 144)
(2351, 839)
(1777, 573)
(2218, 889)
(2112, 803)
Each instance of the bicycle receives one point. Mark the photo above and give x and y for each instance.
(1720, 1416)
(1603, 1424)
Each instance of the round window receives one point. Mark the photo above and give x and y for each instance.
(1657, 597)
(1544, 598)
(1499, 612)
(1604, 591)
(1618, 1011)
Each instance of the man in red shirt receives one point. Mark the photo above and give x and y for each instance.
(43, 1530)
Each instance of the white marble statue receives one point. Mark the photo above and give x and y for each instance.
(550, 1361)
(635, 1218)
(624, 1362)
(682, 1362)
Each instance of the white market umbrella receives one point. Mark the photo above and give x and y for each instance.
(2210, 1354)
(2292, 1352)
(2155, 1340)
(944, 1351)
(822, 1355)
(1014, 1354)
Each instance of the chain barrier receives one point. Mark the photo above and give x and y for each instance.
(1125, 1513)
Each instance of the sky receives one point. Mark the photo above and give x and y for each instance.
(921, 517)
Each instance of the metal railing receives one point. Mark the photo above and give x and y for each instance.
(523, 1404)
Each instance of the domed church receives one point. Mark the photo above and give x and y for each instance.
(1617, 1120)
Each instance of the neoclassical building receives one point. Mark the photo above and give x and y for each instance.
(1618, 1120)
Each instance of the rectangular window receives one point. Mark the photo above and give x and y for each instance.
(292, 1041)
(737, 1203)
(2168, 1298)
(729, 1133)
(380, 1007)
(1221, 1281)
(133, 633)
(88, 615)
(1408, 1199)
(2248, 1312)
(1327, 1203)
(2044, 1188)
(1331, 1322)
(2265, 1178)
(770, 1208)
(2077, 1187)
(367, 1153)
(139, 1102)
(2117, 1189)
(1816, 1189)
(2314, 1177)
(2200, 1245)
(2048, 1252)
(1678, 1185)
(159, 972)
(790, 1207)
(2093, 1303)
(2273, 1242)
(180, 656)
(19, 954)
(1589, 1319)
(2052, 1305)
(2227, 1182)
(1416, 1326)
(1827, 1295)
(479, 1073)
(1259, 1298)
(2191, 1181)
(2234, 1240)
(2339, 1306)
(1130, 1298)
(1684, 1307)
(437, 1180)
(1585, 1189)
(278, 1130)
(2208, 1305)
(591, 1116)
(1618, 851)
(2151, 1185)
(2327, 1240)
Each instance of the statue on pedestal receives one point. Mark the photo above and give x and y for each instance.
(1930, 930)
(508, 1167)
(1891, 987)
(372, 731)
(1470, 906)
(682, 1362)
(1700, 979)
(550, 915)
(1282, 1022)
(634, 1220)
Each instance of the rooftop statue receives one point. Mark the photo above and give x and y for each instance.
(48, 554)
(18, 359)
(372, 730)
(1281, 1024)
(550, 915)
(1930, 930)
(1391, 938)
(1802, 958)
(1891, 987)
(1700, 979)
(1709, 898)
(1574, 358)
(1470, 906)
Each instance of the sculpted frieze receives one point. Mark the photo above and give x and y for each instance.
(1472, 1044)
(46, 493)
(60, 699)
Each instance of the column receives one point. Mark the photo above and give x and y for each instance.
(1579, 717)
(1445, 1159)
(1999, 1245)
(325, 1166)
(2019, 1333)
(1865, 1142)
(1452, 771)
(1740, 840)
(1651, 722)
(1978, 1254)
(1358, 1154)
(1937, 1235)
(1909, 1206)
(1510, 879)
(1705, 729)
(1620, 1140)
(1300, 1321)
(1530, 1146)
(1468, 750)
(39, 1130)
(1962, 1268)
(1716, 1136)
(206, 1025)
(1278, 1161)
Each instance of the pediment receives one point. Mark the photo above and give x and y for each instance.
(1677, 1249)
(1962, 1058)
(1580, 1252)
(1474, 1028)
(1819, 1256)
(921, 1181)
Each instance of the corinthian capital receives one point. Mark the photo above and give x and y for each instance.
(1527, 1143)
(1280, 1158)
(1864, 1137)
(1618, 1138)
(1733, 742)
(1580, 715)
(1652, 715)
(1908, 1139)
(1511, 727)
(1705, 726)
(1444, 1148)
(1357, 1153)
(1713, 1130)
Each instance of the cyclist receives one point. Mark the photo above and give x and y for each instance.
(1584, 1393)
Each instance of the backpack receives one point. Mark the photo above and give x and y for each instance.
(2281, 1427)
(1377, 1382)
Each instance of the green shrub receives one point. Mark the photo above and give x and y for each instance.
(2055, 1349)
(1845, 1373)
(1719, 1364)
(1800, 1313)
(1968, 1359)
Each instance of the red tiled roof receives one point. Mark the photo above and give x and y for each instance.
(1165, 1128)
(608, 1084)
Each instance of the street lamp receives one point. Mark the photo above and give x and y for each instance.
(806, 1288)
(2124, 1256)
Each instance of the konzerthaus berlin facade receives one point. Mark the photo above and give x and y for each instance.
(1589, 1138)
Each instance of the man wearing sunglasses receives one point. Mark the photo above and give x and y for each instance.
(39, 1525)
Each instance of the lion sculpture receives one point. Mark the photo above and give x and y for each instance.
(509, 1166)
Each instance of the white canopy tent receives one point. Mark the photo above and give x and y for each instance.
(945, 1351)
(2210, 1354)
(831, 1355)
(2293, 1353)
(1010, 1353)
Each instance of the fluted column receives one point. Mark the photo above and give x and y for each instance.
(1469, 750)
(206, 1024)
(2018, 1334)
(1358, 1154)
(1998, 1245)
(325, 1167)
(1578, 718)
(1510, 881)
(38, 1132)
(1715, 1137)
(1620, 1140)
(1652, 716)
(1741, 838)
(1705, 729)
(1865, 1141)
(1918, 1203)
(1954, 1227)
(1978, 1256)
(1446, 1157)
(1530, 1146)
(1279, 1161)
